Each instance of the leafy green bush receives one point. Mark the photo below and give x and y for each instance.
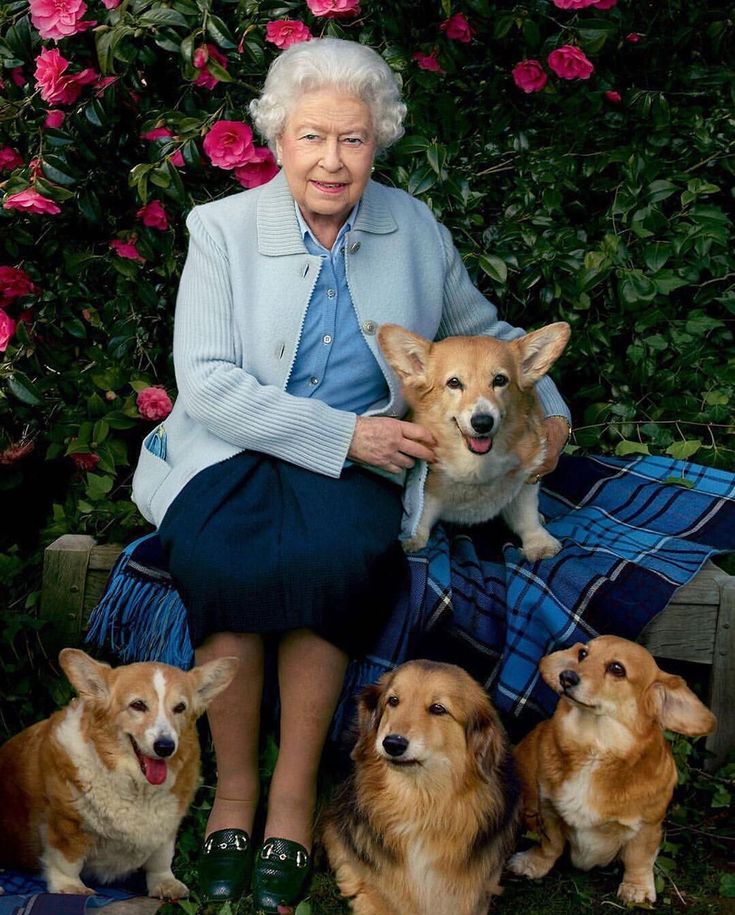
(600, 200)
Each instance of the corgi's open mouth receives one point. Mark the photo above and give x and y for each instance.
(477, 444)
(154, 769)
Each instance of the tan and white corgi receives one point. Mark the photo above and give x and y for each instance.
(476, 396)
(102, 785)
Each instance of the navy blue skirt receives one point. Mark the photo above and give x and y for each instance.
(259, 545)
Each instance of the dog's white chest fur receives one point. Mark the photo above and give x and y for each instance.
(575, 801)
(127, 818)
(473, 489)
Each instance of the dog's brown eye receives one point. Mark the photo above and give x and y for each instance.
(582, 654)
(393, 701)
(500, 380)
(437, 709)
(616, 669)
(139, 705)
(181, 707)
(455, 383)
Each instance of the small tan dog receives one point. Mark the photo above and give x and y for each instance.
(599, 774)
(476, 396)
(103, 784)
(424, 824)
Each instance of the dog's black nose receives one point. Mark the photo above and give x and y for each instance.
(568, 678)
(395, 745)
(164, 746)
(482, 423)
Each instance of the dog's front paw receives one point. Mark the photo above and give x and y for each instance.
(531, 864)
(168, 888)
(70, 888)
(637, 893)
(540, 546)
(414, 544)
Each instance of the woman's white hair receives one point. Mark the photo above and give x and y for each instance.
(330, 63)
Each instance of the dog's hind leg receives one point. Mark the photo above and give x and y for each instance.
(522, 517)
(638, 856)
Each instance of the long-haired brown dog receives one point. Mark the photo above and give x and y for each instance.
(600, 774)
(426, 820)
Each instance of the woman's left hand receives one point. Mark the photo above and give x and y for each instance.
(557, 430)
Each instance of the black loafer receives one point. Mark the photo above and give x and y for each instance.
(225, 864)
(281, 873)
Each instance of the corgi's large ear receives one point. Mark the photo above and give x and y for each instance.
(670, 701)
(405, 352)
(540, 349)
(210, 679)
(88, 677)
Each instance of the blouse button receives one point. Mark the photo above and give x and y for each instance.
(369, 327)
(354, 247)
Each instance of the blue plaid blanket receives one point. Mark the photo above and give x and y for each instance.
(633, 531)
(25, 894)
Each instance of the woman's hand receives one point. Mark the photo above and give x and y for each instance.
(391, 444)
(557, 431)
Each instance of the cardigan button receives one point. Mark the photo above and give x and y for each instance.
(369, 327)
(354, 247)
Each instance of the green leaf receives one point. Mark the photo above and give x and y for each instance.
(219, 32)
(636, 287)
(422, 180)
(58, 170)
(682, 451)
(98, 486)
(660, 190)
(495, 268)
(656, 255)
(24, 390)
(626, 447)
(727, 886)
(219, 72)
(163, 16)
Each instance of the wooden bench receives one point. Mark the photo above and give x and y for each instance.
(697, 626)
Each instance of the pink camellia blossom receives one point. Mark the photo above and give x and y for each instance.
(633, 37)
(14, 283)
(30, 201)
(154, 215)
(58, 87)
(58, 18)
(334, 9)
(260, 168)
(605, 4)
(529, 76)
(127, 249)
(85, 460)
(16, 451)
(573, 4)
(9, 158)
(160, 133)
(569, 62)
(458, 28)
(103, 83)
(229, 144)
(202, 56)
(285, 32)
(54, 118)
(154, 403)
(428, 61)
(18, 76)
(614, 97)
(7, 329)
(111, 4)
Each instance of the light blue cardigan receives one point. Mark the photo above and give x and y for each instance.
(243, 296)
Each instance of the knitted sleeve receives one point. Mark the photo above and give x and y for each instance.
(467, 311)
(226, 399)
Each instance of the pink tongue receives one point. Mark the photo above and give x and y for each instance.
(154, 770)
(480, 445)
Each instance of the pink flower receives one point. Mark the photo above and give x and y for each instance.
(615, 98)
(111, 4)
(154, 215)
(7, 329)
(201, 58)
(58, 18)
(569, 62)
(127, 249)
(605, 4)
(104, 82)
(428, 61)
(154, 403)
(573, 4)
(54, 118)
(30, 201)
(458, 28)
(229, 144)
(55, 84)
(10, 158)
(529, 76)
(334, 9)
(85, 460)
(160, 133)
(259, 169)
(18, 76)
(285, 32)
(14, 283)
(16, 452)
(633, 37)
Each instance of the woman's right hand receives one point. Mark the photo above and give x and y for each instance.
(391, 444)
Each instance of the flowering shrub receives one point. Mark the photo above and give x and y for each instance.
(580, 152)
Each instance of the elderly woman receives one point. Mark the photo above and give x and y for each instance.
(287, 467)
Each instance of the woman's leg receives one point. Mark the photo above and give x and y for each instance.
(234, 720)
(310, 675)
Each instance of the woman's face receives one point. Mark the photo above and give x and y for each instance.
(327, 149)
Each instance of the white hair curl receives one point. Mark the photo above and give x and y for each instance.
(350, 68)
